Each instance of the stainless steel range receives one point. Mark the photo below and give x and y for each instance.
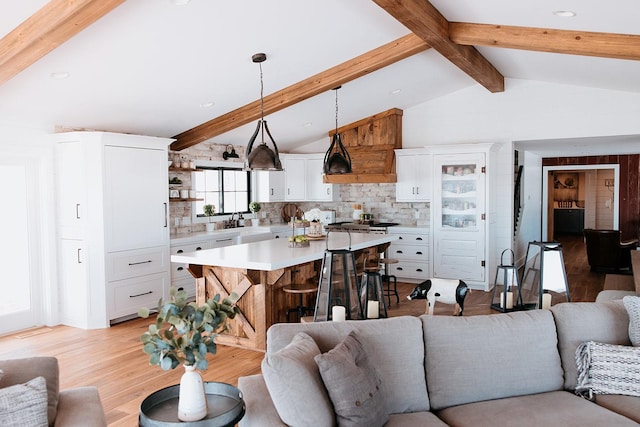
(354, 227)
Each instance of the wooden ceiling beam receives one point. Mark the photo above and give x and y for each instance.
(424, 20)
(605, 45)
(359, 66)
(55, 23)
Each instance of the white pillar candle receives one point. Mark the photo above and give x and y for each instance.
(546, 301)
(509, 300)
(373, 309)
(338, 313)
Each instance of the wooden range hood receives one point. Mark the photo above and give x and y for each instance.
(371, 143)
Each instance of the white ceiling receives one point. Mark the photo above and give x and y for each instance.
(147, 66)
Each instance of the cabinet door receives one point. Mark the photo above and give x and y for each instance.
(72, 200)
(135, 198)
(74, 298)
(295, 179)
(270, 186)
(405, 185)
(316, 189)
(414, 178)
(422, 167)
(459, 225)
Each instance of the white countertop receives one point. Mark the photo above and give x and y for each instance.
(180, 239)
(274, 254)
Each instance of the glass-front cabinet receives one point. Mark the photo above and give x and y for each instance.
(459, 220)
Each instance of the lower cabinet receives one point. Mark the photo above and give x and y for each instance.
(180, 276)
(126, 297)
(412, 252)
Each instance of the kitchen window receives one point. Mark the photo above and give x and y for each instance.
(228, 189)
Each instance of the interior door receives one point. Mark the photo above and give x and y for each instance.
(459, 217)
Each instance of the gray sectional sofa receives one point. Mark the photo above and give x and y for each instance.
(512, 369)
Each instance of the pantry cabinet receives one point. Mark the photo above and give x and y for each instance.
(112, 204)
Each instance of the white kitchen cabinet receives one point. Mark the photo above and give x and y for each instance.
(181, 279)
(412, 252)
(413, 169)
(269, 186)
(112, 205)
(461, 227)
(303, 179)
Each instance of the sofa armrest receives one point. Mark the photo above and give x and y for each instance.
(80, 407)
(259, 406)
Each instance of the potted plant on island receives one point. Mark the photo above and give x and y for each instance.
(209, 210)
(255, 207)
(183, 334)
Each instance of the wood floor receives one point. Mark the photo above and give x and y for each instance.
(112, 359)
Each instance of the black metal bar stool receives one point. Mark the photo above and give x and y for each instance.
(388, 278)
(300, 289)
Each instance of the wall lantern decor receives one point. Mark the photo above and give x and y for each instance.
(337, 160)
(262, 157)
(229, 153)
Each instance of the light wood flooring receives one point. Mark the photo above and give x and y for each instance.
(112, 359)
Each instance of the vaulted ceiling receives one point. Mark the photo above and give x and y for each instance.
(160, 67)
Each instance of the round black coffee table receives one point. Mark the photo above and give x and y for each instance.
(224, 403)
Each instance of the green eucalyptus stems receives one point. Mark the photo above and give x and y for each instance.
(184, 332)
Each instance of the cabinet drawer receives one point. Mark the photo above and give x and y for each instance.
(411, 270)
(189, 247)
(409, 252)
(188, 285)
(417, 238)
(179, 271)
(126, 297)
(127, 264)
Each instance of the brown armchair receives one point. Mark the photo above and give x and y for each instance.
(606, 252)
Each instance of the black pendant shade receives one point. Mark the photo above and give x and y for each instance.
(337, 159)
(262, 157)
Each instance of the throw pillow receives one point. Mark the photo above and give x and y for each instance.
(295, 385)
(608, 369)
(632, 304)
(24, 405)
(353, 384)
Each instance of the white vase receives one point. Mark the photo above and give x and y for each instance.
(211, 226)
(192, 403)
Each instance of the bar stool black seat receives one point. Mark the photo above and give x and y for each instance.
(301, 289)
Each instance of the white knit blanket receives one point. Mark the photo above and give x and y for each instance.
(607, 369)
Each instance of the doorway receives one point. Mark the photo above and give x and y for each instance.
(575, 197)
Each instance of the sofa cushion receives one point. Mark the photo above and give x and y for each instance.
(394, 345)
(629, 406)
(413, 419)
(477, 358)
(353, 384)
(608, 369)
(295, 385)
(18, 371)
(578, 322)
(559, 408)
(259, 407)
(24, 405)
(632, 304)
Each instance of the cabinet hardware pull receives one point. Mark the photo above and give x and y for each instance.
(180, 268)
(223, 240)
(419, 270)
(400, 238)
(271, 191)
(399, 268)
(418, 238)
(417, 190)
(198, 248)
(166, 214)
(141, 262)
(77, 210)
(327, 191)
(78, 254)
(139, 295)
(399, 252)
(180, 251)
(418, 253)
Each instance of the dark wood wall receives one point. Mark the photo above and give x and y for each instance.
(629, 186)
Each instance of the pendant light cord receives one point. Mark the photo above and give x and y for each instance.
(261, 104)
(336, 110)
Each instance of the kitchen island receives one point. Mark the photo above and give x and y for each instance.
(257, 271)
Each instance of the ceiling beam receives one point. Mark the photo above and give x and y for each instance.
(55, 23)
(428, 23)
(605, 45)
(359, 66)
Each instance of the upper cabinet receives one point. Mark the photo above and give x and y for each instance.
(303, 179)
(270, 186)
(414, 175)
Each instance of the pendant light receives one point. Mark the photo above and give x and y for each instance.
(337, 160)
(262, 157)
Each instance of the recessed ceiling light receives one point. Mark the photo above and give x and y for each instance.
(180, 2)
(308, 124)
(396, 91)
(207, 104)
(565, 13)
(59, 75)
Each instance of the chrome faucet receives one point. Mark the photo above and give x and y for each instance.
(231, 223)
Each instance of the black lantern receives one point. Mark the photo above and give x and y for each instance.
(338, 286)
(543, 273)
(337, 159)
(506, 288)
(262, 157)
